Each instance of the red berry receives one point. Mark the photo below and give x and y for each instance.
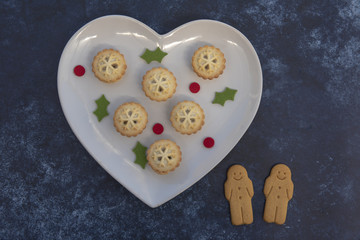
(79, 70)
(209, 142)
(194, 87)
(158, 128)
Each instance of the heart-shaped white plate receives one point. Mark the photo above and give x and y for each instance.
(225, 124)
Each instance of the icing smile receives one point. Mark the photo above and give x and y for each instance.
(281, 178)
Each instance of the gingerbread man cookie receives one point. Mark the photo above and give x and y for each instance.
(239, 191)
(278, 191)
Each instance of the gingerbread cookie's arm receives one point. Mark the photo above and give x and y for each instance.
(228, 190)
(250, 188)
(290, 190)
(268, 186)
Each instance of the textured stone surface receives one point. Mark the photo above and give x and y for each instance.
(51, 188)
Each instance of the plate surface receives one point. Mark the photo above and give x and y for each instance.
(225, 124)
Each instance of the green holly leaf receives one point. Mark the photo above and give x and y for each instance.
(156, 55)
(222, 97)
(140, 153)
(101, 110)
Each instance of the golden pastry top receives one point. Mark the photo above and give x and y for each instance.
(164, 156)
(208, 62)
(187, 117)
(159, 84)
(109, 65)
(130, 119)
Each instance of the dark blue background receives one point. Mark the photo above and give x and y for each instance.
(51, 188)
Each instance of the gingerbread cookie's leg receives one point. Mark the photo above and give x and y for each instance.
(269, 212)
(236, 213)
(281, 211)
(247, 213)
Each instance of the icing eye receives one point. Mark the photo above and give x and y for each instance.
(278, 172)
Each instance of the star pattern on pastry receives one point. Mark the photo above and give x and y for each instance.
(208, 60)
(109, 64)
(130, 118)
(159, 83)
(187, 116)
(163, 155)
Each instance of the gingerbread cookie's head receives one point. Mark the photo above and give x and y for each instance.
(237, 173)
(281, 171)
